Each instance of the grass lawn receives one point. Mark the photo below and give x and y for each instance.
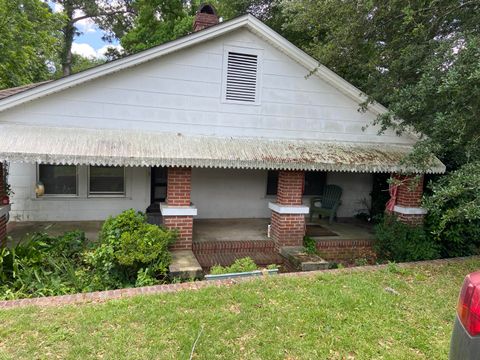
(346, 316)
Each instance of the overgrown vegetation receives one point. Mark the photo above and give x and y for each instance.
(43, 266)
(245, 264)
(130, 252)
(310, 245)
(399, 242)
(453, 219)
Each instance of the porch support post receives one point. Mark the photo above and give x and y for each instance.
(409, 199)
(288, 212)
(178, 211)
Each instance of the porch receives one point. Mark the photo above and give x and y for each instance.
(233, 230)
(222, 241)
(19, 231)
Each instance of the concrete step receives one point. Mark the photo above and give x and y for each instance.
(301, 260)
(185, 265)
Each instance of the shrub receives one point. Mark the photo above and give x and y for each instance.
(453, 218)
(146, 245)
(240, 265)
(130, 252)
(128, 221)
(399, 242)
(42, 265)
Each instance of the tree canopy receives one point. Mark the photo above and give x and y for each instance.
(29, 39)
(419, 58)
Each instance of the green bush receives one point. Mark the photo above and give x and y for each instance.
(42, 266)
(128, 221)
(453, 218)
(130, 252)
(240, 265)
(396, 241)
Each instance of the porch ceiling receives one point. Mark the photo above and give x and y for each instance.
(130, 148)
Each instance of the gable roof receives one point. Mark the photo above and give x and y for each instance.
(16, 96)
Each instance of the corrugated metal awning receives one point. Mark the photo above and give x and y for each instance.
(51, 145)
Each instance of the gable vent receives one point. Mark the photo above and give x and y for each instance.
(242, 77)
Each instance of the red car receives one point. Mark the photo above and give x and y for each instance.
(465, 343)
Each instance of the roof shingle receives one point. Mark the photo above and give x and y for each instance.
(16, 90)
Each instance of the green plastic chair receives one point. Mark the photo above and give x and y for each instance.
(328, 203)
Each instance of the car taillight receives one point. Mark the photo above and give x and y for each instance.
(468, 307)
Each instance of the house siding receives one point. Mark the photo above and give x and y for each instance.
(229, 193)
(181, 93)
(26, 207)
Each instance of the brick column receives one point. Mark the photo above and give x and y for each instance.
(288, 213)
(178, 211)
(3, 217)
(409, 199)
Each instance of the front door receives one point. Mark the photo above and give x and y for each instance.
(158, 187)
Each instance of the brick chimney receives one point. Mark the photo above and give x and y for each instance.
(205, 17)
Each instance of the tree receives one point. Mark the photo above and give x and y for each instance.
(453, 218)
(107, 14)
(155, 22)
(418, 58)
(80, 63)
(28, 40)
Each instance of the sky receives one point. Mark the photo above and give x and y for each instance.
(89, 44)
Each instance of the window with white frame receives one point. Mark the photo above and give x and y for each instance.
(58, 180)
(106, 181)
(242, 74)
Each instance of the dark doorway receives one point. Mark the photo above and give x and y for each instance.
(158, 191)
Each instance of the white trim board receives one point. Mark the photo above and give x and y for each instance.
(288, 209)
(409, 210)
(167, 210)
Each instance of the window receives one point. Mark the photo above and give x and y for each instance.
(58, 179)
(241, 75)
(272, 182)
(106, 180)
(314, 182)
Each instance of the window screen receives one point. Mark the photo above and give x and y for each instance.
(314, 182)
(107, 180)
(58, 179)
(272, 182)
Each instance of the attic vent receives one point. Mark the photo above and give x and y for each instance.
(242, 77)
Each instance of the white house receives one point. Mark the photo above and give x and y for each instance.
(211, 125)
